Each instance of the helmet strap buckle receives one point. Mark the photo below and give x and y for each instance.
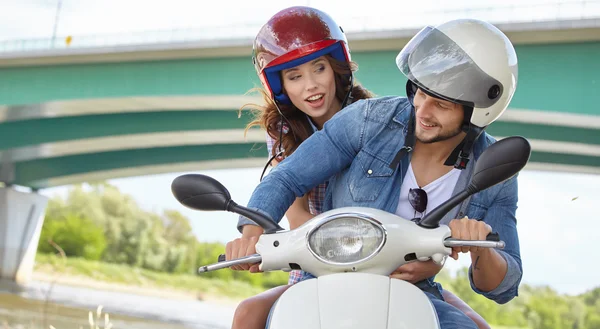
(462, 161)
(459, 158)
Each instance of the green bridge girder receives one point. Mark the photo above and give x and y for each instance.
(557, 106)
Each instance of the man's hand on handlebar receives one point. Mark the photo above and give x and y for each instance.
(468, 229)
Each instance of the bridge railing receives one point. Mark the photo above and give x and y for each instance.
(505, 13)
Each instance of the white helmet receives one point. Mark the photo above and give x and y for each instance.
(465, 61)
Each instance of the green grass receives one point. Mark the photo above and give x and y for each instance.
(143, 278)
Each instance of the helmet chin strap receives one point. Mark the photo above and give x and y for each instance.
(410, 139)
(348, 98)
(459, 158)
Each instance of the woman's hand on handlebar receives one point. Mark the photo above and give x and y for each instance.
(244, 246)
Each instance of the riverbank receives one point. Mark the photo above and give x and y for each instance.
(18, 312)
(127, 279)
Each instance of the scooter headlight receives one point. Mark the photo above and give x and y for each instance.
(346, 239)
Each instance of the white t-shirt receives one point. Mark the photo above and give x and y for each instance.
(438, 191)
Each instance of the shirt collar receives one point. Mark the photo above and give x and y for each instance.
(311, 124)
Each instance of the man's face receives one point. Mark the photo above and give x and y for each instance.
(436, 119)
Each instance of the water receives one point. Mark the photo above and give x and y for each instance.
(68, 307)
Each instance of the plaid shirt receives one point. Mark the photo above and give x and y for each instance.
(315, 205)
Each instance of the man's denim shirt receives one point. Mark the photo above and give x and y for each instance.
(354, 151)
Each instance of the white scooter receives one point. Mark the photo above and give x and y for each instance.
(353, 250)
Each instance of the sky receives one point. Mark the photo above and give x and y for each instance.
(558, 218)
(26, 19)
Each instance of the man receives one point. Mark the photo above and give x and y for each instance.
(408, 155)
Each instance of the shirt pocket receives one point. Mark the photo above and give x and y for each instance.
(369, 177)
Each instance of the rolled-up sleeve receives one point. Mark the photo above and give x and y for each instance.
(501, 216)
(243, 220)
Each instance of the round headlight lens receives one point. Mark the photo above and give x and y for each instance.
(346, 240)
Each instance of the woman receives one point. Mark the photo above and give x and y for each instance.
(302, 58)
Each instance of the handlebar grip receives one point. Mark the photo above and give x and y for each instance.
(494, 236)
(222, 258)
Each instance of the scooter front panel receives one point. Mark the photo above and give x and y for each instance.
(297, 308)
(353, 301)
(410, 307)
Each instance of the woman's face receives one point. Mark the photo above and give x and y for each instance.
(311, 88)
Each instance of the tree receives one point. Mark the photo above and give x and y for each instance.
(77, 236)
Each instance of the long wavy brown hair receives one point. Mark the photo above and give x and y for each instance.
(267, 116)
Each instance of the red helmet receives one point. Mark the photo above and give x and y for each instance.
(293, 37)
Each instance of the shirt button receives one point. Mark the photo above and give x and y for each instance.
(369, 171)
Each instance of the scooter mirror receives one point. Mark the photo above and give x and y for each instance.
(200, 192)
(499, 162)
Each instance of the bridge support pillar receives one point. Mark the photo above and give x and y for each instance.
(21, 219)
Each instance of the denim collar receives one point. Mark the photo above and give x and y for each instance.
(311, 123)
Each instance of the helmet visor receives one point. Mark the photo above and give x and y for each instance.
(435, 63)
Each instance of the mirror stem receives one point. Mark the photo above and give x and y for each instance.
(263, 221)
(432, 220)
